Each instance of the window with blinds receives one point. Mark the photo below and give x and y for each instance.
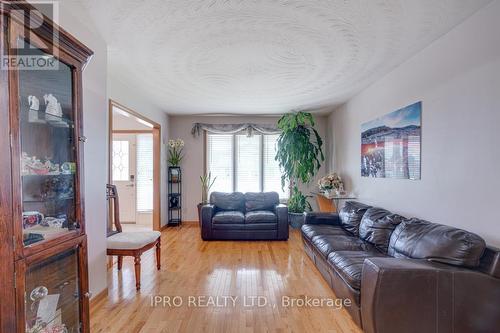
(144, 177)
(271, 169)
(248, 163)
(244, 164)
(220, 161)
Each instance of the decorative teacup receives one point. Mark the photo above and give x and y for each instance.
(31, 219)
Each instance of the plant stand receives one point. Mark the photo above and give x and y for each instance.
(174, 196)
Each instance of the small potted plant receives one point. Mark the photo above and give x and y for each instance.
(206, 183)
(297, 205)
(175, 152)
(175, 157)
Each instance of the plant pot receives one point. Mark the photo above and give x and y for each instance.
(199, 213)
(296, 220)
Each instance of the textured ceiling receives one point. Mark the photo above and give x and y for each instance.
(264, 56)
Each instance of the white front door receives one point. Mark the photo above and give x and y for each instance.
(124, 174)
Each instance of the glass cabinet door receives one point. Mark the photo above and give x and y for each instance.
(48, 152)
(51, 298)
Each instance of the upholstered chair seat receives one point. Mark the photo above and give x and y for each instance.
(132, 240)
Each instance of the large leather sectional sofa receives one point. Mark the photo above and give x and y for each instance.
(249, 216)
(405, 275)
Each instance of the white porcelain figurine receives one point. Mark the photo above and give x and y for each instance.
(34, 103)
(53, 107)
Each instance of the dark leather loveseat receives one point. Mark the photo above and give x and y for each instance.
(249, 216)
(405, 275)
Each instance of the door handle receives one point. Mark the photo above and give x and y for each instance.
(130, 185)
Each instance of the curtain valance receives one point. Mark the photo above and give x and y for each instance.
(234, 128)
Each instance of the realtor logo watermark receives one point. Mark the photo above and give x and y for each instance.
(247, 301)
(28, 51)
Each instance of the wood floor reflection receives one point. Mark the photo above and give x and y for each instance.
(218, 287)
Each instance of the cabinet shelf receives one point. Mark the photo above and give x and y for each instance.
(48, 200)
(41, 118)
(35, 175)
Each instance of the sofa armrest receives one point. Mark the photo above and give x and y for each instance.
(409, 295)
(322, 218)
(207, 213)
(281, 212)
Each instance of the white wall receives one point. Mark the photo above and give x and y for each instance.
(457, 78)
(192, 164)
(121, 122)
(95, 126)
(130, 97)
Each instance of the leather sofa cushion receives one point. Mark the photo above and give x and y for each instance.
(228, 226)
(421, 239)
(228, 217)
(351, 215)
(261, 226)
(260, 216)
(228, 201)
(349, 265)
(326, 244)
(377, 226)
(311, 230)
(261, 201)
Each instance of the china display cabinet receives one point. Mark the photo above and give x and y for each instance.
(43, 242)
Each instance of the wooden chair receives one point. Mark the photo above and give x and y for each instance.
(130, 243)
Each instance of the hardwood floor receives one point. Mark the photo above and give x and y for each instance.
(193, 270)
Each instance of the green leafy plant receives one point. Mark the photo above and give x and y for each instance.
(299, 155)
(206, 183)
(175, 152)
(298, 202)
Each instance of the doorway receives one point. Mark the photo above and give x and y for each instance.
(134, 168)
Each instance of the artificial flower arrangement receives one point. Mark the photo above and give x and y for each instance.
(330, 183)
(175, 152)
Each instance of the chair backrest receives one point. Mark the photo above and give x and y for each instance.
(112, 196)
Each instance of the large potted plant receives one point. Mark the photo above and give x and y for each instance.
(299, 155)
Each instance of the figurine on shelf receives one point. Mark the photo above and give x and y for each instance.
(31, 219)
(25, 161)
(57, 188)
(33, 112)
(34, 166)
(53, 222)
(34, 103)
(53, 106)
(68, 168)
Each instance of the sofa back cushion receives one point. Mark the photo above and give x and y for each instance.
(261, 200)
(377, 226)
(351, 215)
(421, 239)
(228, 201)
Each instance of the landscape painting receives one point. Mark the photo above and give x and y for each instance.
(390, 145)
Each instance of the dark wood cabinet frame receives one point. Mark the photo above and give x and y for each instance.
(15, 258)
